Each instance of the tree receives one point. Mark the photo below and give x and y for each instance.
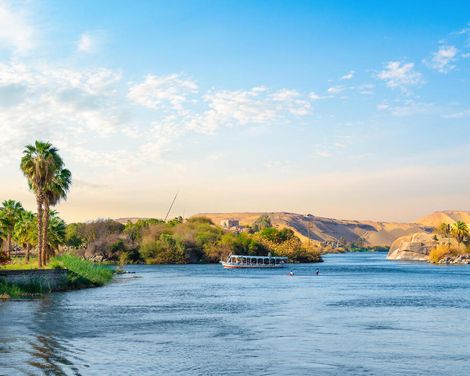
(25, 232)
(56, 190)
(10, 213)
(40, 165)
(443, 230)
(261, 223)
(459, 231)
(277, 236)
(56, 233)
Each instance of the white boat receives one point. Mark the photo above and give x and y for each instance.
(242, 261)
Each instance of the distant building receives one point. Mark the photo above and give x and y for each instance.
(229, 223)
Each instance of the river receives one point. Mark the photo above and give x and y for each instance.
(363, 315)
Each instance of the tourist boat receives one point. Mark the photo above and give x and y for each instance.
(241, 261)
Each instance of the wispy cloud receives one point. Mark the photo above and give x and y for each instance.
(314, 96)
(335, 89)
(457, 115)
(57, 103)
(85, 43)
(156, 92)
(258, 105)
(348, 76)
(400, 75)
(16, 32)
(443, 59)
(405, 108)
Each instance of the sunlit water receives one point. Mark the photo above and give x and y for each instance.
(362, 315)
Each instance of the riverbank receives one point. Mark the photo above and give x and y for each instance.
(64, 273)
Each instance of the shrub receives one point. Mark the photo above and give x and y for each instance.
(443, 250)
(165, 250)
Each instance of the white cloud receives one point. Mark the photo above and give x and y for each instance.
(366, 89)
(457, 115)
(383, 106)
(248, 107)
(335, 89)
(314, 96)
(157, 92)
(323, 154)
(404, 108)
(400, 75)
(443, 59)
(16, 33)
(58, 104)
(348, 76)
(85, 43)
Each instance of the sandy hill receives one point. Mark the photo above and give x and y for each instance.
(329, 229)
(446, 216)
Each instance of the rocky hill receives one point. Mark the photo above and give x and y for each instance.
(328, 229)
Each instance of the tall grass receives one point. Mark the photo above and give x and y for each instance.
(82, 271)
(443, 250)
(13, 290)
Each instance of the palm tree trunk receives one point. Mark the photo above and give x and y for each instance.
(9, 245)
(39, 205)
(27, 252)
(45, 228)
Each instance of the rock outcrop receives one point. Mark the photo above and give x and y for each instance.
(455, 259)
(414, 247)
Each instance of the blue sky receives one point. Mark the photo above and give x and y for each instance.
(336, 108)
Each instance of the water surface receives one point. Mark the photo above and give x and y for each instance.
(363, 315)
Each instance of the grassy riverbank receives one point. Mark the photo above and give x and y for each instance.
(81, 274)
(82, 271)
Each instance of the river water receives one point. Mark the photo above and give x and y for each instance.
(363, 315)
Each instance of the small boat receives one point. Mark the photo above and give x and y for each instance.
(241, 261)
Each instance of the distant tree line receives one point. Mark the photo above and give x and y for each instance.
(178, 241)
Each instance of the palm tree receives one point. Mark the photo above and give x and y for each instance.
(57, 232)
(460, 231)
(26, 232)
(40, 163)
(444, 230)
(55, 191)
(10, 213)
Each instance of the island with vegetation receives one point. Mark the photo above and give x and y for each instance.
(182, 241)
(447, 243)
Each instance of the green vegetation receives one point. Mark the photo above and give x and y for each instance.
(42, 235)
(82, 273)
(196, 240)
(447, 250)
(10, 213)
(19, 263)
(457, 232)
(50, 181)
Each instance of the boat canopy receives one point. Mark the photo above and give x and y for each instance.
(259, 257)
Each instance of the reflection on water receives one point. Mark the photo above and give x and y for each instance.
(362, 316)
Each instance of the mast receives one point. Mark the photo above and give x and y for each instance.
(171, 206)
